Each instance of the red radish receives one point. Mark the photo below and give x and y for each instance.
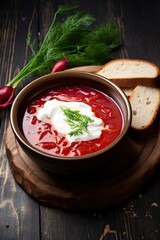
(60, 66)
(7, 95)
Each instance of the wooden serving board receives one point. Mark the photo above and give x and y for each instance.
(123, 177)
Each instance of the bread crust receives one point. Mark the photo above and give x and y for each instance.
(128, 91)
(133, 82)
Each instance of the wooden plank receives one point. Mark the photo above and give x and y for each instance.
(18, 211)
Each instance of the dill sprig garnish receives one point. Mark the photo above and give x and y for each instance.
(76, 37)
(77, 121)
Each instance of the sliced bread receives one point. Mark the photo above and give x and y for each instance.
(145, 102)
(130, 72)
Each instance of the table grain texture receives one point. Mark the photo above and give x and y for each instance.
(23, 218)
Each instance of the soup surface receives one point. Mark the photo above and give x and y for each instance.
(72, 121)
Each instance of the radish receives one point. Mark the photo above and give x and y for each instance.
(7, 95)
(60, 65)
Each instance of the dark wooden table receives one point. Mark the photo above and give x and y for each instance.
(21, 217)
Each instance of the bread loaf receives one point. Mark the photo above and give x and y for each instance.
(145, 102)
(128, 73)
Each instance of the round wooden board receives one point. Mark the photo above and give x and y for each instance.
(128, 171)
(86, 193)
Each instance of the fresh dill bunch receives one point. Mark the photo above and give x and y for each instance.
(73, 37)
(95, 48)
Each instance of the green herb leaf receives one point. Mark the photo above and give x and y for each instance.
(77, 121)
(77, 38)
(31, 43)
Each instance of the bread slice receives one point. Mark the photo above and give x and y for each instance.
(128, 73)
(145, 102)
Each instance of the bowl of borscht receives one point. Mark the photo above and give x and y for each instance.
(71, 122)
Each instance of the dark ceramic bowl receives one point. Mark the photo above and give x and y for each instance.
(69, 165)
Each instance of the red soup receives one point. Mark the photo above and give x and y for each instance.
(44, 135)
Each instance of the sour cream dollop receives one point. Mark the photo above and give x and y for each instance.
(52, 110)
